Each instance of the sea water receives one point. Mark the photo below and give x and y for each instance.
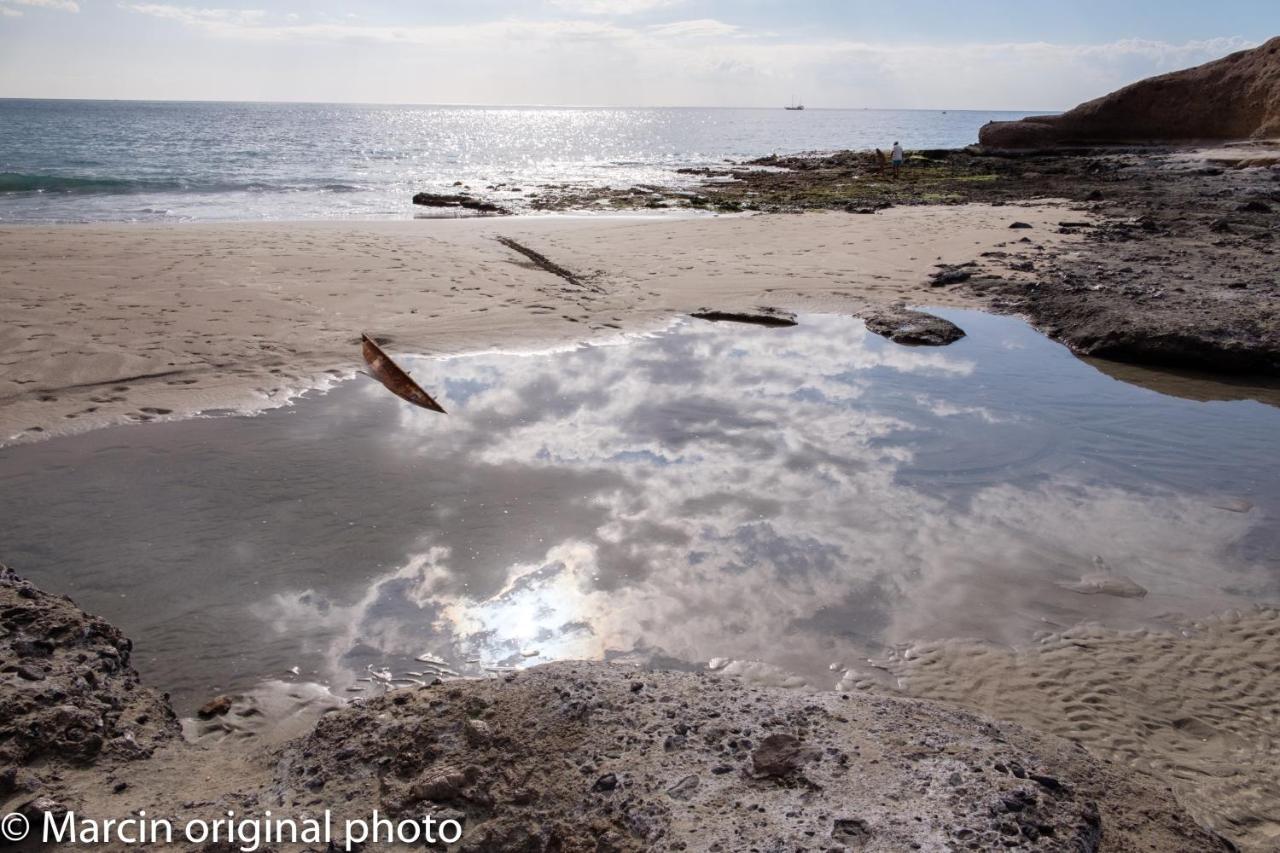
(73, 161)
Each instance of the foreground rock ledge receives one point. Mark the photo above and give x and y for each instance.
(599, 757)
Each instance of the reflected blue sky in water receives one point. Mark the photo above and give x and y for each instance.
(794, 496)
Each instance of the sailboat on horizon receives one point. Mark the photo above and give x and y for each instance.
(795, 105)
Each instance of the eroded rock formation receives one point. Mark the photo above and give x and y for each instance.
(1236, 97)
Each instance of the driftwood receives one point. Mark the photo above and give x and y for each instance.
(391, 375)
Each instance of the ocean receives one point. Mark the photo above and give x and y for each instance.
(113, 161)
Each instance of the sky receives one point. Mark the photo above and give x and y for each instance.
(929, 54)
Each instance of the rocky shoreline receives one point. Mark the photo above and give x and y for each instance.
(567, 757)
(1179, 266)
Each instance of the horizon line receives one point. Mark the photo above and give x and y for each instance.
(468, 105)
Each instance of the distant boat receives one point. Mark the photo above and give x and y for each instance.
(794, 105)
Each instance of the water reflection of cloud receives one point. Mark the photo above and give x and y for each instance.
(741, 494)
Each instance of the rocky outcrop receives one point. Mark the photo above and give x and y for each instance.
(464, 202)
(592, 756)
(764, 315)
(68, 693)
(912, 328)
(1236, 97)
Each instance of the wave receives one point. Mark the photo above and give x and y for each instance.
(18, 182)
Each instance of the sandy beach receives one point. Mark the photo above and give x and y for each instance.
(115, 323)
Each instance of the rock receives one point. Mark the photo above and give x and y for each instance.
(781, 755)
(683, 789)
(29, 673)
(1106, 584)
(607, 782)
(1019, 225)
(852, 832)
(949, 275)
(80, 698)
(215, 707)
(1254, 206)
(36, 809)
(476, 732)
(439, 784)
(459, 201)
(1235, 97)
(905, 326)
(762, 316)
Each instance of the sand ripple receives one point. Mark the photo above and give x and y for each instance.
(1197, 707)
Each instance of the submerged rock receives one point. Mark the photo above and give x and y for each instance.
(761, 316)
(903, 325)
(1235, 97)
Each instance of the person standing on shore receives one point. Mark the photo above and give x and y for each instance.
(896, 157)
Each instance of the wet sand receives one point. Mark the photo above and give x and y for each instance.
(1193, 706)
(111, 323)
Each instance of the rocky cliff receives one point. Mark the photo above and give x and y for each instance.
(1236, 97)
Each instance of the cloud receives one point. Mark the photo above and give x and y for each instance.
(704, 28)
(59, 5)
(703, 61)
(6, 12)
(613, 7)
(229, 21)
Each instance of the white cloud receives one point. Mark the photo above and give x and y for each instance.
(59, 5)
(703, 28)
(613, 7)
(684, 62)
(231, 21)
(6, 12)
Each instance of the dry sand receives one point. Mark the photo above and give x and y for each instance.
(109, 323)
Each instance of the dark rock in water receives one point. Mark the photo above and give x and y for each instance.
(215, 707)
(1254, 207)
(459, 201)
(781, 755)
(1235, 97)
(1019, 225)
(913, 328)
(762, 316)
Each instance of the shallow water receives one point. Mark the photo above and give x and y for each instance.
(791, 496)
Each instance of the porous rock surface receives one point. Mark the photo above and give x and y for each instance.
(593, 756)
(903, 325)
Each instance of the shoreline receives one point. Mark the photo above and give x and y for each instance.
(149, 322)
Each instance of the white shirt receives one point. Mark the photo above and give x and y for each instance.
(897, 153)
